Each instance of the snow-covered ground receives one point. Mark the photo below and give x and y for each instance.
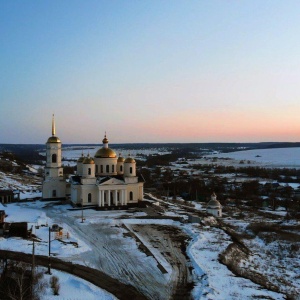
(277, 157)
(103, 245)
(73, 288)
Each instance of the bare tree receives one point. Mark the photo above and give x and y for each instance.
(17, 282)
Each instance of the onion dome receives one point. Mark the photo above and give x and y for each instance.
(81, 158)
(120, 158)
(130, 160)
(105, 152)
(88, 161)
(105, 140)
(213, 202)
(53, 139)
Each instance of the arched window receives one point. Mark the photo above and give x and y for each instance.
(54, 193)
(121, 168)
(89, 171)
(131, 196)
(112, 168)
(96, 169)
(89, 197)
(130, 170)
(101, 169)
(107, 168)
(54, 158)
(105, 197)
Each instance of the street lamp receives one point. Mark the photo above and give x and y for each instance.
(49, 243)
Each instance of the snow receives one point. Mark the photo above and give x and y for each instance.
(73, 288)
(276, 157)
(215, 280)
(212, 279)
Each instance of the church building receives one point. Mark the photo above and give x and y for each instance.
(104, 180)
(214, 207)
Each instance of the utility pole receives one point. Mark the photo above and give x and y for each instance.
(49, 244)
(33, 269)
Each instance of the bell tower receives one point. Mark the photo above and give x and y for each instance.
(54, 185)
(53, 155)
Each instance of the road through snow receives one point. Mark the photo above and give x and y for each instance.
(117, 254)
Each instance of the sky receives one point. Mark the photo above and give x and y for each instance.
(150, 71)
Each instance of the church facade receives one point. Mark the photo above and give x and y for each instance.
(104, 180)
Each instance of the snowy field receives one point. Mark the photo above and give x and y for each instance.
(277, 157)
(102, 244)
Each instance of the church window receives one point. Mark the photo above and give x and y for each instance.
(130, 170)
(131, 196)
(96, 169)
(121, 168)
(54, 158)
(118, 196)
(112, 168)
(104, 197)
(54, 193)
(101, 169)
(89, 197)
(89, 171)
(107, 168)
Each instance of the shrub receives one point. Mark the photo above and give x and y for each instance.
(54, 283)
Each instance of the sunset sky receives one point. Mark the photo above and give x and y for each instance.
(150, 71)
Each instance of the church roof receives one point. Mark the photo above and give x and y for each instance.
(53, 139)
(121, 159)
(81, 158)
(213, 204)
(105, 152)
(88, 161)
(129, 160)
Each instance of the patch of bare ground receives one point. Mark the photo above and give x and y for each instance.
(237, 256)
(282, 233)
(171, 242)
(232, 257)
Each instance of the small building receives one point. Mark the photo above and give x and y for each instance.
(18, 229)
(6, 196)
(214, 207)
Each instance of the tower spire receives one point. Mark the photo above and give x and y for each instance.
(53, 125)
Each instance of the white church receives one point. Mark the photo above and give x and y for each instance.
(104, 181)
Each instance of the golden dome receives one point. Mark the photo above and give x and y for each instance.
(81, 159)
(130, 160)
(105, 152)
(121, 159)
(53, 139)
(88, 161)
